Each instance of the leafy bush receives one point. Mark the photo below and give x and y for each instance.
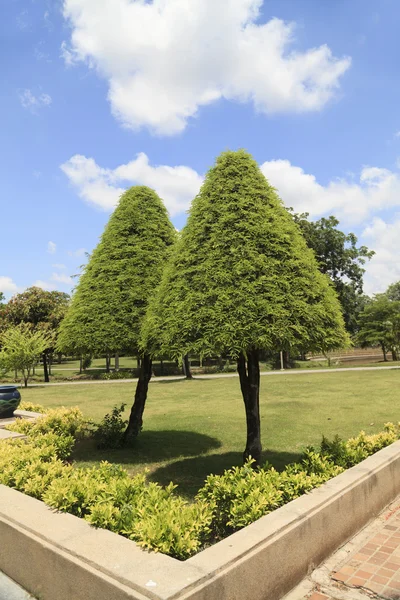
(60, 421)
(242, 494)
(86, 361)
(31, 407)
(109, 432)
(116, 375)
(144, 512)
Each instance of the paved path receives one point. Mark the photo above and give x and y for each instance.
(366, 567)
(9, 590)
(279, 373)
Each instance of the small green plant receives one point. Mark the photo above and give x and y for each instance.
(32, 407)
(108, 433)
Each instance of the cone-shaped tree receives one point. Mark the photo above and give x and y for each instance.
(242, 279)
(111, 298)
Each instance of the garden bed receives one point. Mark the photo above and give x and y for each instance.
(57, 555)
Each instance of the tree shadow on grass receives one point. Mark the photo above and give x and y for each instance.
(150, 447)
(189, 474)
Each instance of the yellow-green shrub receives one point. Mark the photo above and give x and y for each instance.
(60, 421)
(32, 407)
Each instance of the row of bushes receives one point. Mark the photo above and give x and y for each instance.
(153, 516)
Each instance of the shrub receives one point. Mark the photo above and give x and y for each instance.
(31, 407)
(60, 421)
(108, 433)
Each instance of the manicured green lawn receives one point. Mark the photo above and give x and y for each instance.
(192, 428)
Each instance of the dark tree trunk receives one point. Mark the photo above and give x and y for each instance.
(81, 364)
(136, 417)
(59, 358)
(385, 358)
(45, 369)
(249, 375)
(394, 354)
(116, 361)
(50, 363)
(328, 358)
(186, 367)
(108, 361)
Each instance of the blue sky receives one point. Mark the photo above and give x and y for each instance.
(98, 95)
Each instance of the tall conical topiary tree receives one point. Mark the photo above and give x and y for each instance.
(112, 295)
(241, 280)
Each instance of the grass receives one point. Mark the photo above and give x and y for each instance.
(193, 428)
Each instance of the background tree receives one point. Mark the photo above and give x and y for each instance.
(380, 325)
(242, 280)
(22, 347)
(112, 295)
(339, 257)
(393, 291)
(42, 310)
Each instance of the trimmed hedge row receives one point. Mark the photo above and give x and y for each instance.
(153, 516)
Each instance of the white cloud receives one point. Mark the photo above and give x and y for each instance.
(59, 266)
(166, 58)
(51, 248)
(45, 285)
(102, 187)
(384, 267)
(350, 200)
(7, 285)
(62, 278)
(77, 253)
(33, 103)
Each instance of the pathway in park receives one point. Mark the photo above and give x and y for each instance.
(9, 590)
(366, 567)
(219, 376)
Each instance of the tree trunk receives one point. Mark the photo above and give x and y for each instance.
(136, 417)
(385, 358)
(50, 363)
(59, 358)
(45, 369)
(394, 354)
(81, 365)
(249, 375)
(328, 358)
(186, 367)
(116, 362)
(108, 363)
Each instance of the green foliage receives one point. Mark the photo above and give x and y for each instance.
(32, 407)
(109, 432)
(241, 275)
(380, 324)
(86, 361)
(347, 454)
(111, 297)
(242, 494)
(339, 257)
(41, 309)
(21, 349)
(393, 292)
(146, 513)
(59, 421)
